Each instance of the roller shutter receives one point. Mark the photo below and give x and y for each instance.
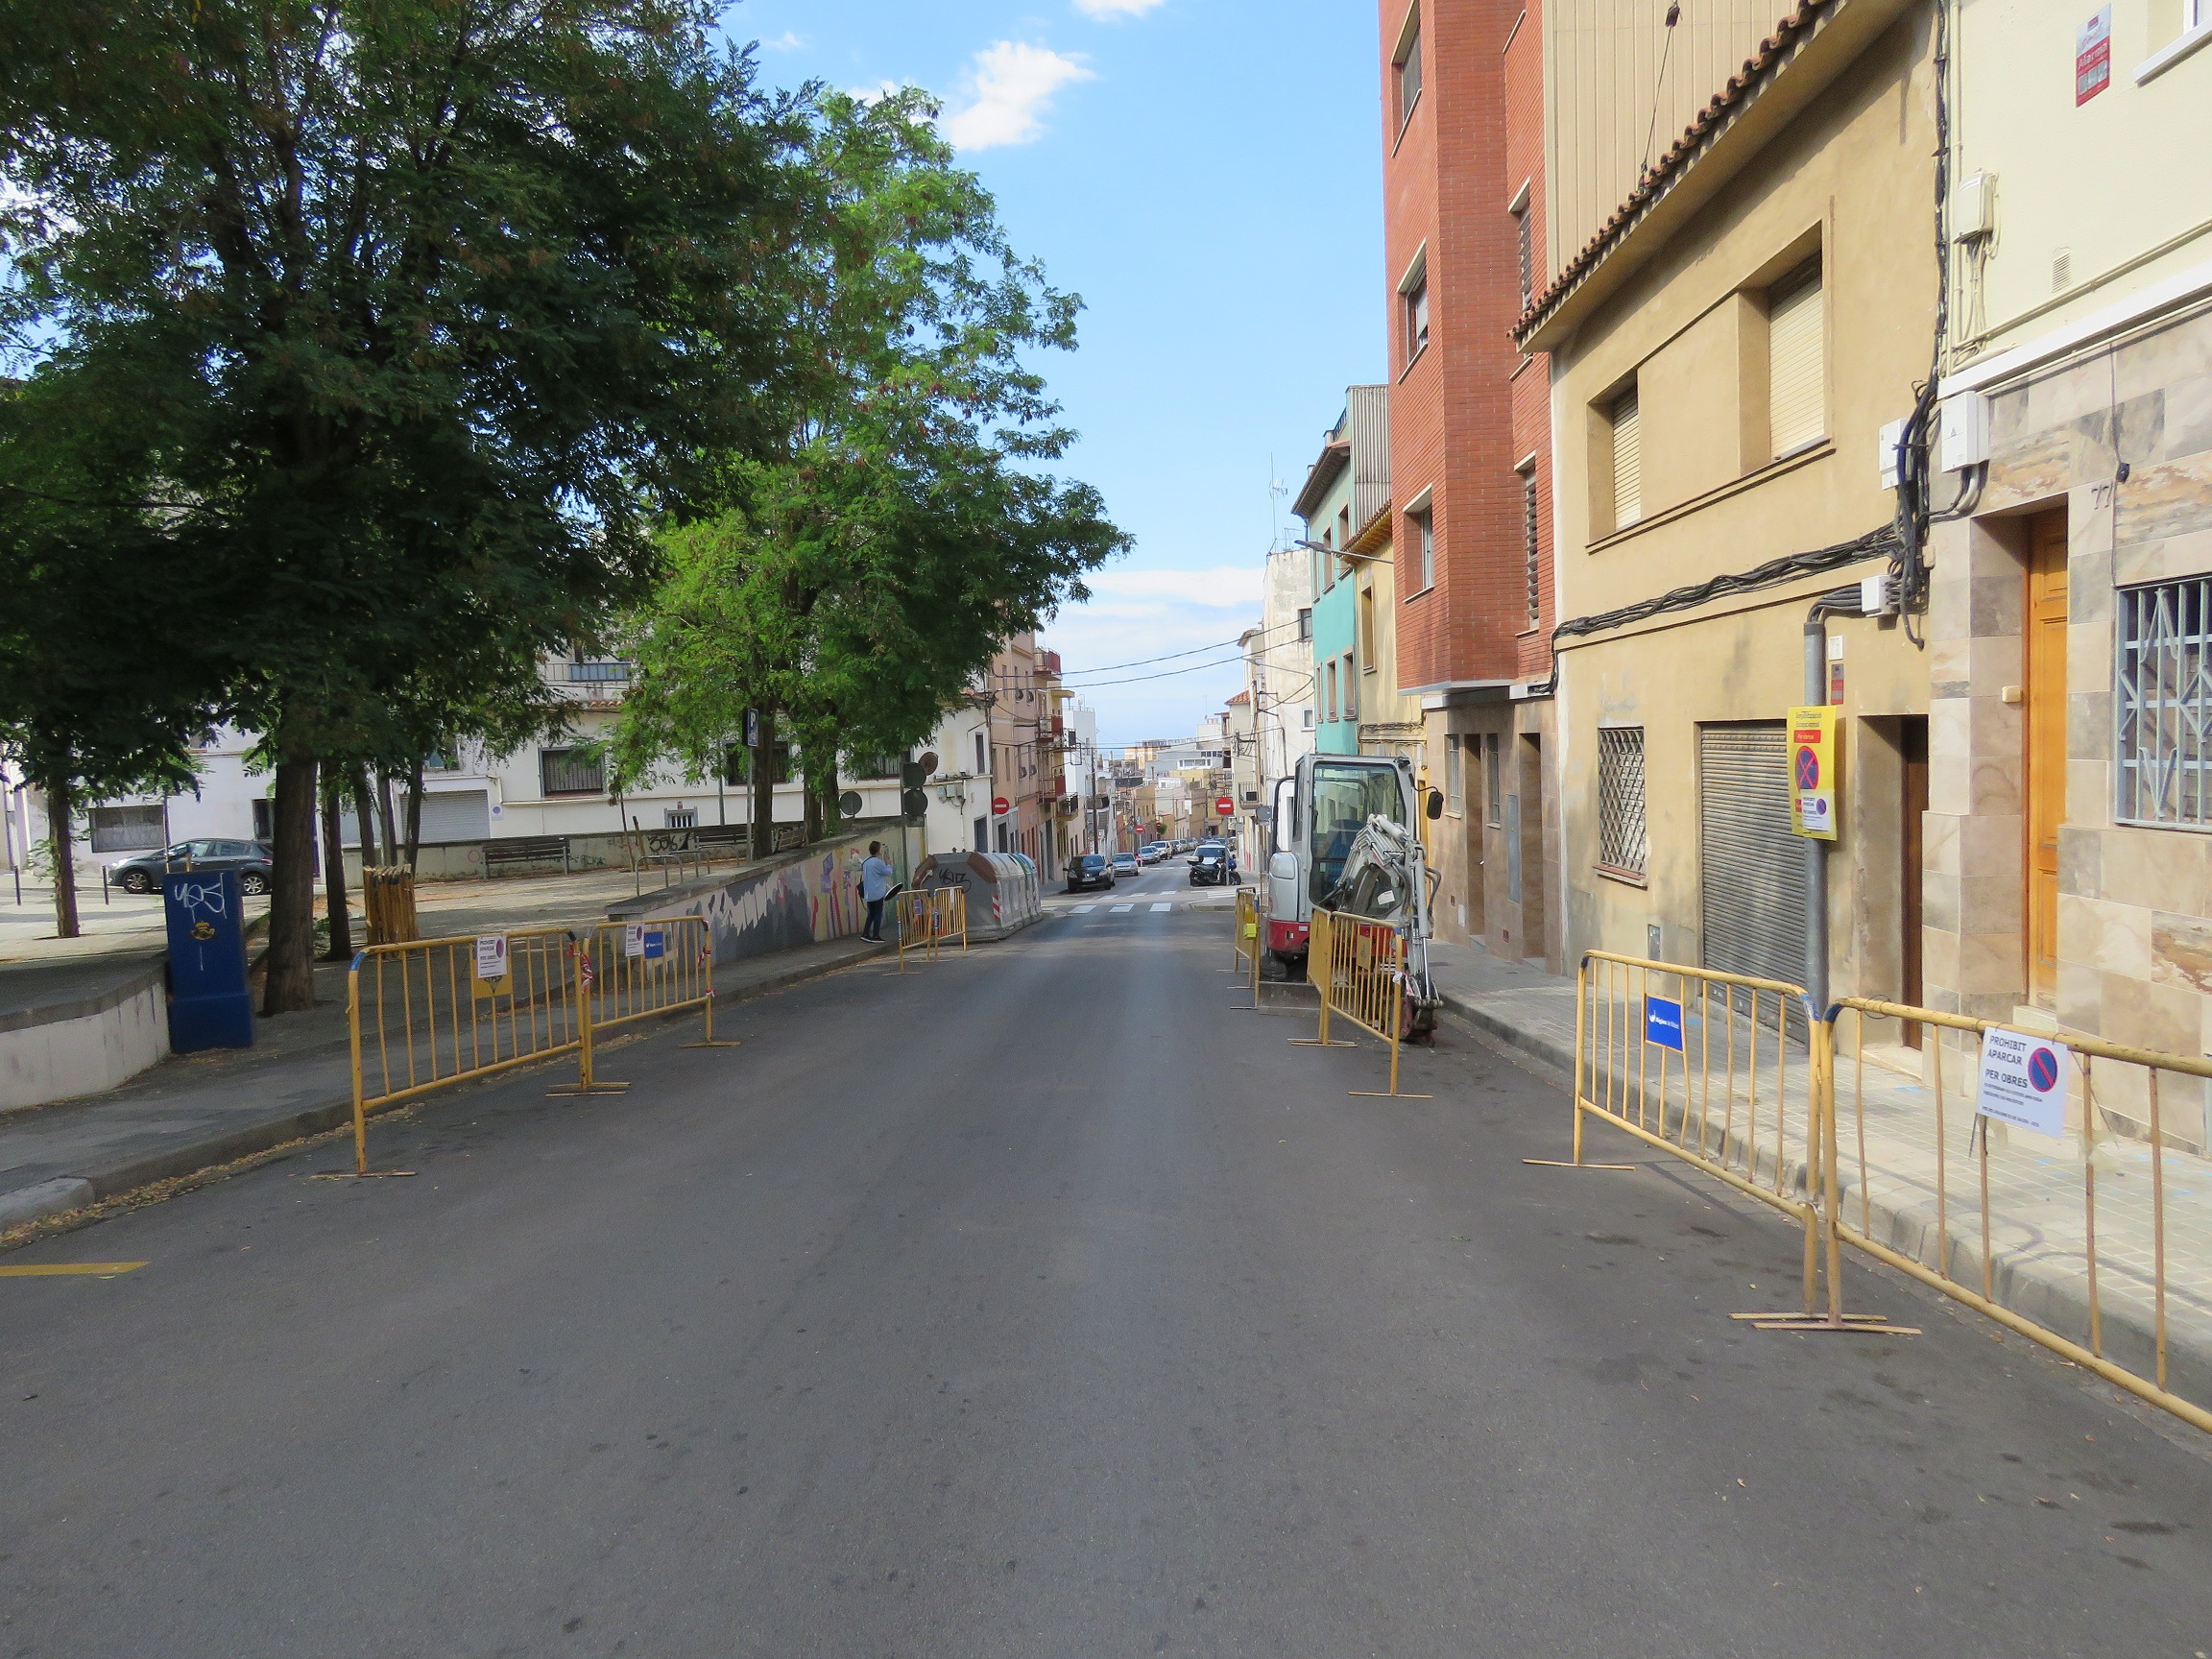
(1797, 367)
(1751, 868)
(456, 815)
(1627, 463)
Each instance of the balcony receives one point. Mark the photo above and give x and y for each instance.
(594, 685)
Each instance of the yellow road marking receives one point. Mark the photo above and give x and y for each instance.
(49, 1270)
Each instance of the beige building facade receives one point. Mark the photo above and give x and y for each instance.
(2070, 869)
(1727, 341)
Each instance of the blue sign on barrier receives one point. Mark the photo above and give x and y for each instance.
(1662, 1023)
(656, 945)
(209, 1006)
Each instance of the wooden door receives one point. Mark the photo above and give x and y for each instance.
(2043, 644)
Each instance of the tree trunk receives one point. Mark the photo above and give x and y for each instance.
(384, 818)
(765, 788)
(413, 812)
(364, 816)
(59, 804)
(334, 872)
(832, 818)
(809, 802)
(290, 983)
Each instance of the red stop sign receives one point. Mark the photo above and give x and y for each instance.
(1000, 805)
(1224, 807)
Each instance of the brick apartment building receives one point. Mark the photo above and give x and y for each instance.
(1470, 451)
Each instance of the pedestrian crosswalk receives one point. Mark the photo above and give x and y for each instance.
(1154, 907)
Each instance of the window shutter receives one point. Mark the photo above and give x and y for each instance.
(1628, 464)
(1796, 367)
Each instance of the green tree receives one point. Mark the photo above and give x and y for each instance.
(436, 299)
(906, 530)
(86, 709)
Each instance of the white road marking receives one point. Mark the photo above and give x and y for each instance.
(1081, 909)
(1157, 908)
(1119, 908)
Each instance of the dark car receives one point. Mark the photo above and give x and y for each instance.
(1211, 865)
(142, 872)
(1090, 869)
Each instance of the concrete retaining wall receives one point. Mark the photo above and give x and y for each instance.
(54, 1049)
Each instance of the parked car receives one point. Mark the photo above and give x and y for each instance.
(1211, 865)
(1153, 852)
(142, 872)
(1126, 864)
(1198, 847)
(1090, 869)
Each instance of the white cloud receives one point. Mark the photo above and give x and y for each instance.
(1007, 92)
(787, 41)
(1111, 9)
(1190, 618)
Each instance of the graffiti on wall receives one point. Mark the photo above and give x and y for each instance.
(806, 901)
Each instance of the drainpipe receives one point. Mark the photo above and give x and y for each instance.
(1841, 602)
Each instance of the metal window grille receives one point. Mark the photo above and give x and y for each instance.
(2164, 704)
(597, 673)
(1529, 558)
(680, 818)
(1620, 837)
(128, 829)
(570, 772)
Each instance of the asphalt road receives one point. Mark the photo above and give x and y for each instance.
(1038, 1303)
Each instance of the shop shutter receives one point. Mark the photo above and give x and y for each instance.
(1627, 463)
(1797, 367)
(456, 815)
(1751, 868)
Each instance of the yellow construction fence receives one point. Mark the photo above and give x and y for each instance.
(1358, 967)
(1738, 1076)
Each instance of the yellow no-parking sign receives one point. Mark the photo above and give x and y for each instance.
(1813, 792)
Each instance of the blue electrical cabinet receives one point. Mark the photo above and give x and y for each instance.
(210, 1005)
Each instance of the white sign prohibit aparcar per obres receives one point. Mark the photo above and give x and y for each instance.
(2024, 1080)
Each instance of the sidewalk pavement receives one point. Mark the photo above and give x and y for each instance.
(193, 1111)
(2038, 1257)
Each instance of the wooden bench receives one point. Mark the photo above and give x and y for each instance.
(526, 849)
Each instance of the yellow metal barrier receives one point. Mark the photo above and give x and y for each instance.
(632, 970)
(928, 917)
(1358, 967)
(948, 915)
(913, 911)
(1753, 1137)
(2123, 1249)
(432, 1012)
(1245, 944)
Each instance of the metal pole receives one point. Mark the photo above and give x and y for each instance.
(354, 1040)
(1816, 848)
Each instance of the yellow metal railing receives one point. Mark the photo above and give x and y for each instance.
(633, 971)
(431, 1012)
(929, 916)
(1244, 942)
(1358, 967)
(948, 915)
(1713, 1089)
(2123, 1250)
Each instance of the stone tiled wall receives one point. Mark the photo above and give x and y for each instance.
(2135, 904)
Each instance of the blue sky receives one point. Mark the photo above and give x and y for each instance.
(1207, 174)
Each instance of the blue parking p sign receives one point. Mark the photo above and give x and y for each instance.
(1662, 1023)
